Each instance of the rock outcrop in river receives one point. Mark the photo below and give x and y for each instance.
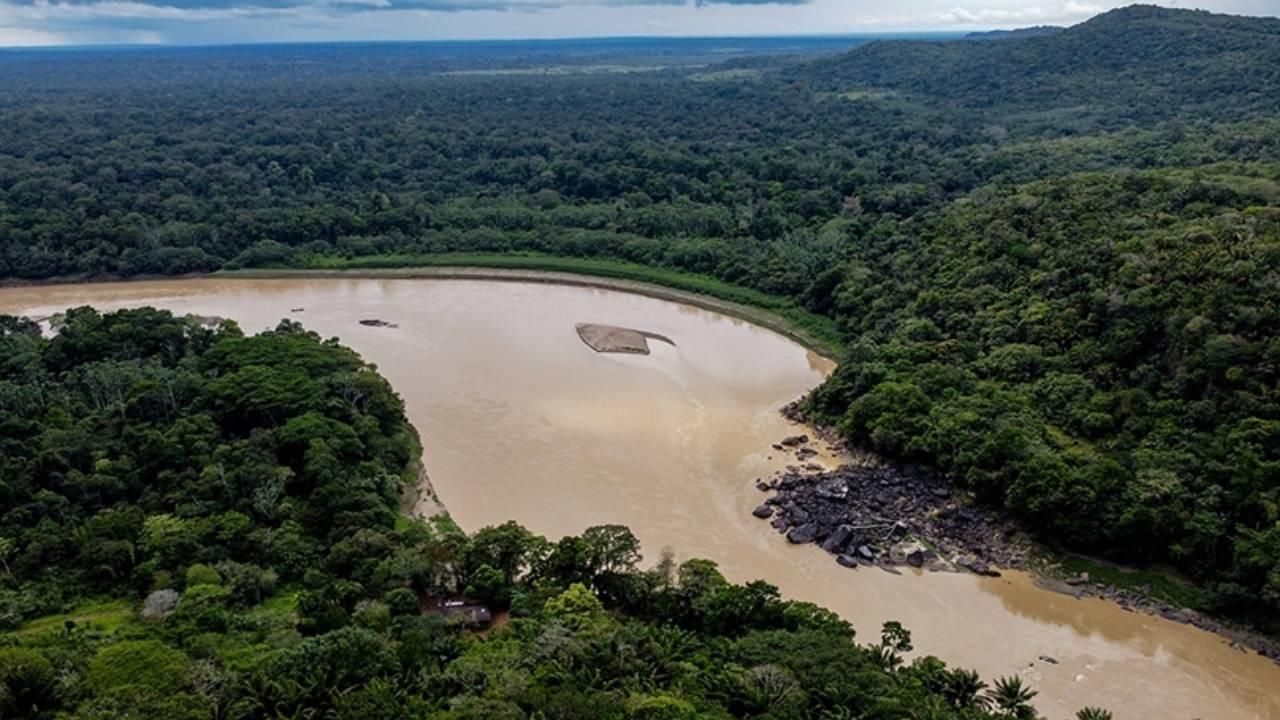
(887, 516)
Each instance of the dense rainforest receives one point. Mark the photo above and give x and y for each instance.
(203, 525)
(1052, 255)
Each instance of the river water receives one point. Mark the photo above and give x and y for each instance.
(521, 420)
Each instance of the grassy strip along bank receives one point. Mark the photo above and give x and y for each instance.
(779, 314)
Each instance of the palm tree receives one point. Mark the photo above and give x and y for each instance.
(1093, 713)
(885, 658)
(1012, 698)
(963, 690)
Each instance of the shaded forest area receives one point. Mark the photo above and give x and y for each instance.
(1053, 255)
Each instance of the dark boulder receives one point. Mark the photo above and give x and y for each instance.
(795, 440)
(848, 561)
(866, 553)
(803, 534)
(763, 512)
(832, 489)
(915, 559)
(837, 540)
(978, 567)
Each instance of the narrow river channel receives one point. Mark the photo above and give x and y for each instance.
(521, 420)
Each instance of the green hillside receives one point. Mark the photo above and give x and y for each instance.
(1136, 64)
(1094, 352)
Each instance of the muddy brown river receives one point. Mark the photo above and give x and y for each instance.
(521, 420)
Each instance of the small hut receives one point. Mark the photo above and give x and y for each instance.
(476, 617)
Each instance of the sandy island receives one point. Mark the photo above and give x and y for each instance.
(614, 339)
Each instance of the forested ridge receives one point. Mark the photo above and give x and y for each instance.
(1052, 256)
(203, 525)
(1095, 352)
(1139, 64)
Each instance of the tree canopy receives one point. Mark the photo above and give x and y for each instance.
(172, 552)
(1052, 255)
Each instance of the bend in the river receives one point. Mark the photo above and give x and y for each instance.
(521, 420)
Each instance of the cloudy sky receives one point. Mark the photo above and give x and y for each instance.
(63, 22)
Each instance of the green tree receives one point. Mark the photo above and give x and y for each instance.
(576, 605)
(199, 574)
(963, 690)
(1012, 698)
(28, 683)
(149, 665)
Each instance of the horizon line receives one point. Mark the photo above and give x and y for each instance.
(463, 41)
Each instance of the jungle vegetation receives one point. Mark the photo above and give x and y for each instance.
(1052, 255)
(202, 525)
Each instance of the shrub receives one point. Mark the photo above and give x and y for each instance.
(148, 664)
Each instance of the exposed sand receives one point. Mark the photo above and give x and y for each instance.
(614, 339)
(754, 315)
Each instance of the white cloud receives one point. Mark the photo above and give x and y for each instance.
(44, 11)
(44, 22)
(1067, 13)
(27, 37)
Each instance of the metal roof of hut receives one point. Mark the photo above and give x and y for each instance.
(472, 615)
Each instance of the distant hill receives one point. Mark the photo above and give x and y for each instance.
(1137, 63)
(1016, 34)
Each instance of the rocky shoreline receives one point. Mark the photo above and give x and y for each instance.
(871, 513)
(888, 516)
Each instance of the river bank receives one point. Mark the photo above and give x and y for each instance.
(797, 330)
(814, 332)
(956, 535)
(975, 537)
(877, 513)
(521, 420)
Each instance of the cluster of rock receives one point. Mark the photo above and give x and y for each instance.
(374, 322)
(886, 515)
(883, 515)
